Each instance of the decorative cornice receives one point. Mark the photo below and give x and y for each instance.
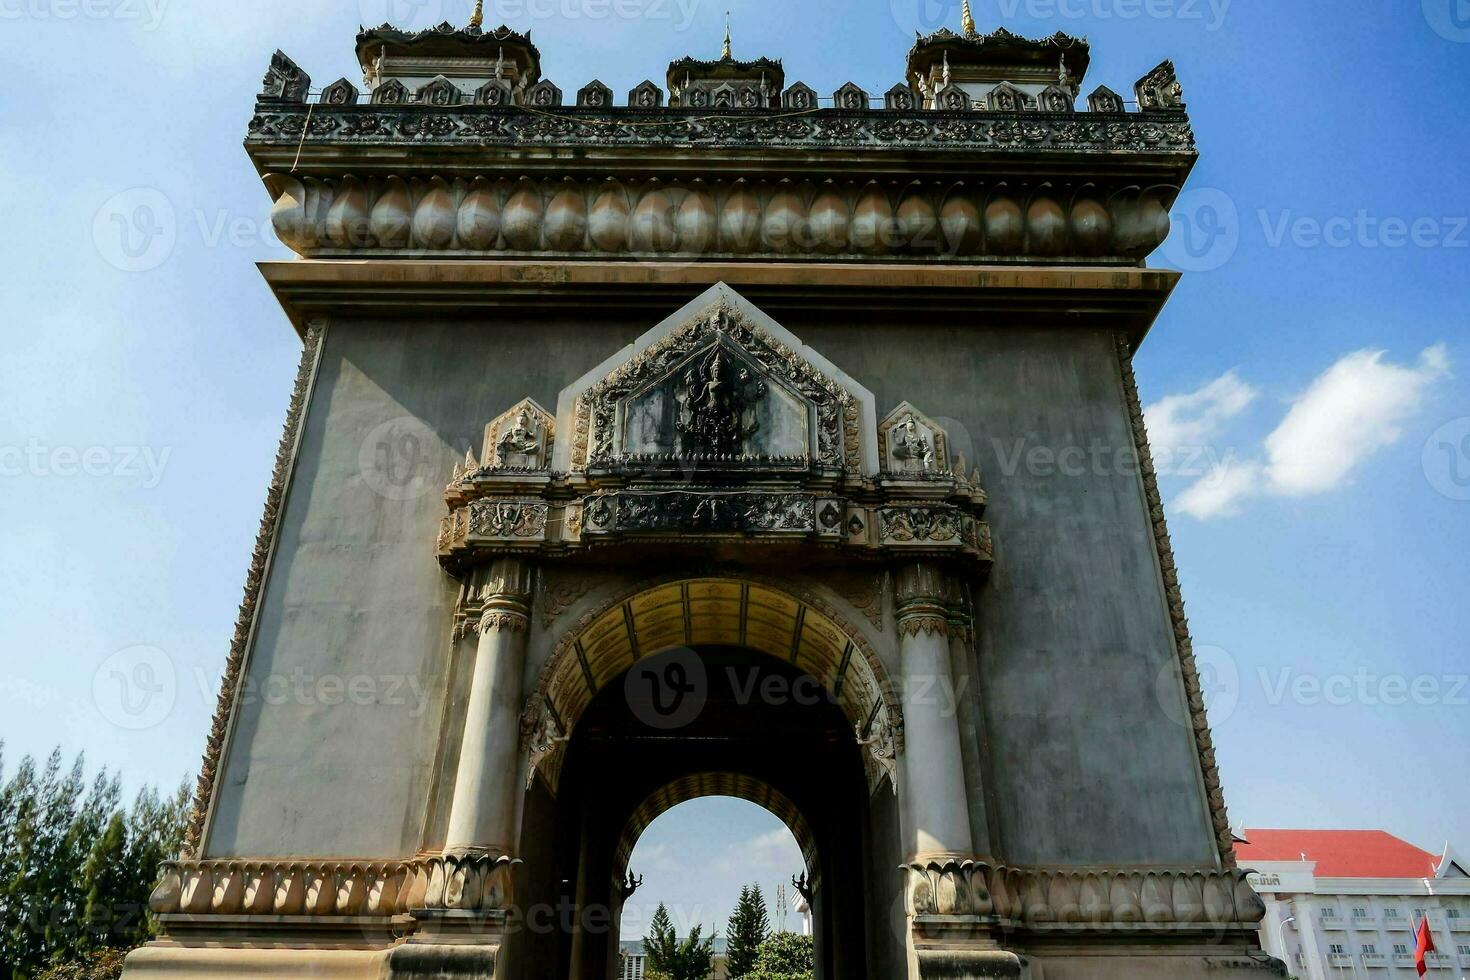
(421, 126)
(289, 887)
(254, 582)
(1062, 899)
(1204, 745)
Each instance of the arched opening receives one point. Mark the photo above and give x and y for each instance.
(752, 725)
(696, 856)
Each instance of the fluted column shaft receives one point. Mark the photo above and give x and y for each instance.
(483, 814)
(933, 812)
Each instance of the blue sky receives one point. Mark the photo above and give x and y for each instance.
(1314, 358)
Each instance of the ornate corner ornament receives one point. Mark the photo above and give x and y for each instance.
(1204, 744)
(260, 560)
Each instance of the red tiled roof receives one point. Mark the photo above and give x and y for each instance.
(1339, 853)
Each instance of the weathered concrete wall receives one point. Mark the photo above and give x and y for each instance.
(1086, 764)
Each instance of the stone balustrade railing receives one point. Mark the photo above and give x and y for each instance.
(786, 219)
(333, 888)
(1084, 898)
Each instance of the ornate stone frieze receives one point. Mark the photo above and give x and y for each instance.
(577, 216)
(1079, 899)
(1183, 644)
(330, 889)
(254, 581)
(899, 128)
(920, 524)
(711, 511)
(507, 519)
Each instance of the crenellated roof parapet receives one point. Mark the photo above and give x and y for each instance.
(739, 164)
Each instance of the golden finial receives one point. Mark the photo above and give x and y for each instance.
(727, 54)
(967, 20)
(477, 19)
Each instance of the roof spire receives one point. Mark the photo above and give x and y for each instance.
(727, 53)
(967, 20)
(477, 19)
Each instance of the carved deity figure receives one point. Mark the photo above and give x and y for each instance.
(520, 443)
(913, 451)
(715, 403)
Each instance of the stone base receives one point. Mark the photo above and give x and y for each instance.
(1155, 967)
(967, 964)
(158, 961)
(440, 961)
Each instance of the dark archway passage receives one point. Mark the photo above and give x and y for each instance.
(764, 731)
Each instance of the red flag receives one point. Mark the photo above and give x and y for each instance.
(1424, 946)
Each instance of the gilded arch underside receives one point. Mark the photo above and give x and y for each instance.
(715, 612)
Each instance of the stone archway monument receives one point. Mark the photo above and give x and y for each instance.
(736, 446)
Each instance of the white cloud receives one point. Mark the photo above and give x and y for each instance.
(1353, 409)
(1181, 423)
(775, 850)
(1222, 492)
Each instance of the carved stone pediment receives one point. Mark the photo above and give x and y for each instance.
(913, 446)
(725, 388)
(717, 427)
(520, 439)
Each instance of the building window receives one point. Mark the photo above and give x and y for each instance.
(1336, 949)
(1451, 913)
(1329, 912)
(1391, 913)
(1370, 949)
(1420, 913)
(1464, 950)
(1399, 949)
(1360, 913)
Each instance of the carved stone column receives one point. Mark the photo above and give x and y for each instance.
(934, 811)
(482, 817)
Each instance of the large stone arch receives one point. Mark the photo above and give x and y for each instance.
(718, 610)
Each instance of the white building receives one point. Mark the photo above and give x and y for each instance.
(1346, 903)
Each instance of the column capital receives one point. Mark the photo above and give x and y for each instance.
(920, 590)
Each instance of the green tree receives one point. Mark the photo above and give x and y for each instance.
(687, 959)
(76, 869)
(749, 927)
(785, 956)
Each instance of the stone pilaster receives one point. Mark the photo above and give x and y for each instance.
(934, 811)
(482, 818)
